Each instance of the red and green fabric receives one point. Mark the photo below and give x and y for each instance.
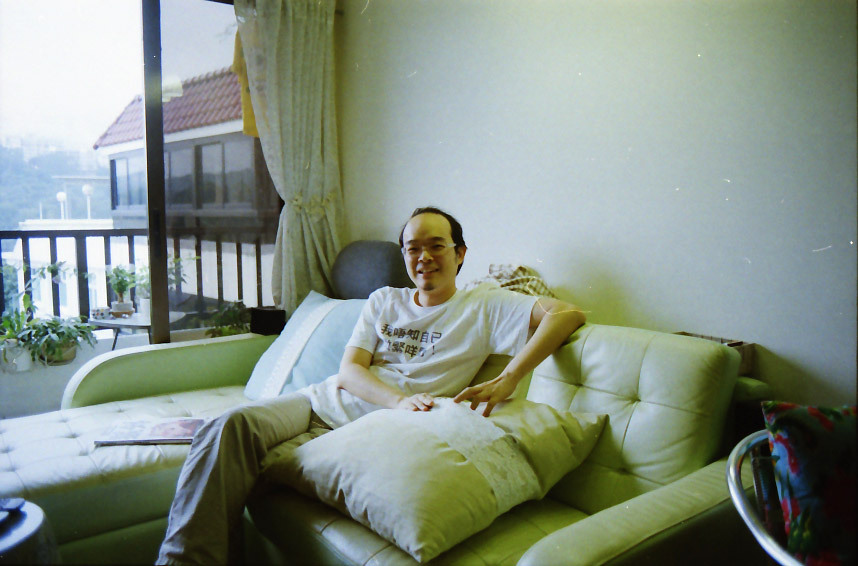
(814, 455)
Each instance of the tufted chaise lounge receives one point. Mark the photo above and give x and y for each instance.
(110, 505)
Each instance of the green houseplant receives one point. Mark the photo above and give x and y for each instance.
(55, 340)
(13, 354)
(232, 318)
(121, 280)
(176, 277)
(25, 339)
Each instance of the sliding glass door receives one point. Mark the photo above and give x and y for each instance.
(213, 210)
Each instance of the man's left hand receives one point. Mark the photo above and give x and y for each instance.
(491, 392)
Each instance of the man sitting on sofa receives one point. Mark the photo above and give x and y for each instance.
(443, 337)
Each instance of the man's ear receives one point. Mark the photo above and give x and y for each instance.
(460, 254)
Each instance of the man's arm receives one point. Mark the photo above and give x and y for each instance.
(355, 377)
(554, 321)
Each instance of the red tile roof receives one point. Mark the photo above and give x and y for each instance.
(208, 99)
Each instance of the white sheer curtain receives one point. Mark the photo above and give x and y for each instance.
(288, 48)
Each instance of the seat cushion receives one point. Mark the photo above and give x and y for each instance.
(50, 459)
(307, 531)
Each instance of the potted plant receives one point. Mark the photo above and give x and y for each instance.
(55, 340)
(13, 354)
(232, 318)
(121, 280)
(176, 278)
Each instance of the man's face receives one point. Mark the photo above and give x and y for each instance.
(430, 258)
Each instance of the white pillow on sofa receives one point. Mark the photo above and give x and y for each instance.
(309, 348)
(425, 481)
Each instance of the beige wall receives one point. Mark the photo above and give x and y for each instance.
(664, 164)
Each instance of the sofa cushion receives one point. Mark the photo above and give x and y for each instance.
(813, 449)
(308, 531)
(666, 397)
(309, 348)
(467, 471)
(50, 459)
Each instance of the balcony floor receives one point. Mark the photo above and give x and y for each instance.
(40, 390)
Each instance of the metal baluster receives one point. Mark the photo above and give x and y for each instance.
(25, 258)
(198, 251)
(238, 271)
(219, 269)
(55, 286)
(82, 279)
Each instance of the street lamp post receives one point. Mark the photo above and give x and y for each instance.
(87, 191)
(61, 197)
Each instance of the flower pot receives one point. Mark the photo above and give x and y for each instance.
(143, 305)
(15, 358)
(122, 308)
(64, 356)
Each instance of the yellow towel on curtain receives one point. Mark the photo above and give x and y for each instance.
(240, 69)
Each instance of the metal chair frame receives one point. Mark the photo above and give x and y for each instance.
(769, 530)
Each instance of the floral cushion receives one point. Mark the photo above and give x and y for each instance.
(813, 449)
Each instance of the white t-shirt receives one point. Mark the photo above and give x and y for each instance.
(435, 350)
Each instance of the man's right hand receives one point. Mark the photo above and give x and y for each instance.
(355, 377)
(418, 402)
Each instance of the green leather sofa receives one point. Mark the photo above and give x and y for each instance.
(653, 490)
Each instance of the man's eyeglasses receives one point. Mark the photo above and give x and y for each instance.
(414, 251)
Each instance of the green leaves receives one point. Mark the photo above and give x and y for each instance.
(121, 279)
(232, 318)
(47, 338)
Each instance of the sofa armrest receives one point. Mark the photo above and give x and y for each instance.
(751, 390)
(691, 520)
(161, 369)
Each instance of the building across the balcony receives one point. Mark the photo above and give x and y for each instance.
(215, 176)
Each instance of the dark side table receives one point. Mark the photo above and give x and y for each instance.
(26, 537)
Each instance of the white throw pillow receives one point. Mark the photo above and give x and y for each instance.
(425, 481)
(309, 348)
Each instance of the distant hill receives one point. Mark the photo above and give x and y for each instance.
(26, 183)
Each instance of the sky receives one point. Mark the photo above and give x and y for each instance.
(69, 67)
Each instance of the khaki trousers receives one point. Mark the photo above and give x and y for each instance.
(221, 469)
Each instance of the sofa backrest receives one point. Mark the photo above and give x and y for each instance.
(366, 265)
(667, 397)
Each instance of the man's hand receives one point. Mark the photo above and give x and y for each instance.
(491, 392)
(417, 402)
(552, 321)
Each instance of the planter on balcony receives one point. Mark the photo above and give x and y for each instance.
(14, 357)
(121, 308)
(63, 356)
(143, 305)
(55, 340)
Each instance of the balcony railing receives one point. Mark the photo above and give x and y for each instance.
(120, 246)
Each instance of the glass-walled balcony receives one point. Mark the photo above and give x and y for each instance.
(66, 269)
